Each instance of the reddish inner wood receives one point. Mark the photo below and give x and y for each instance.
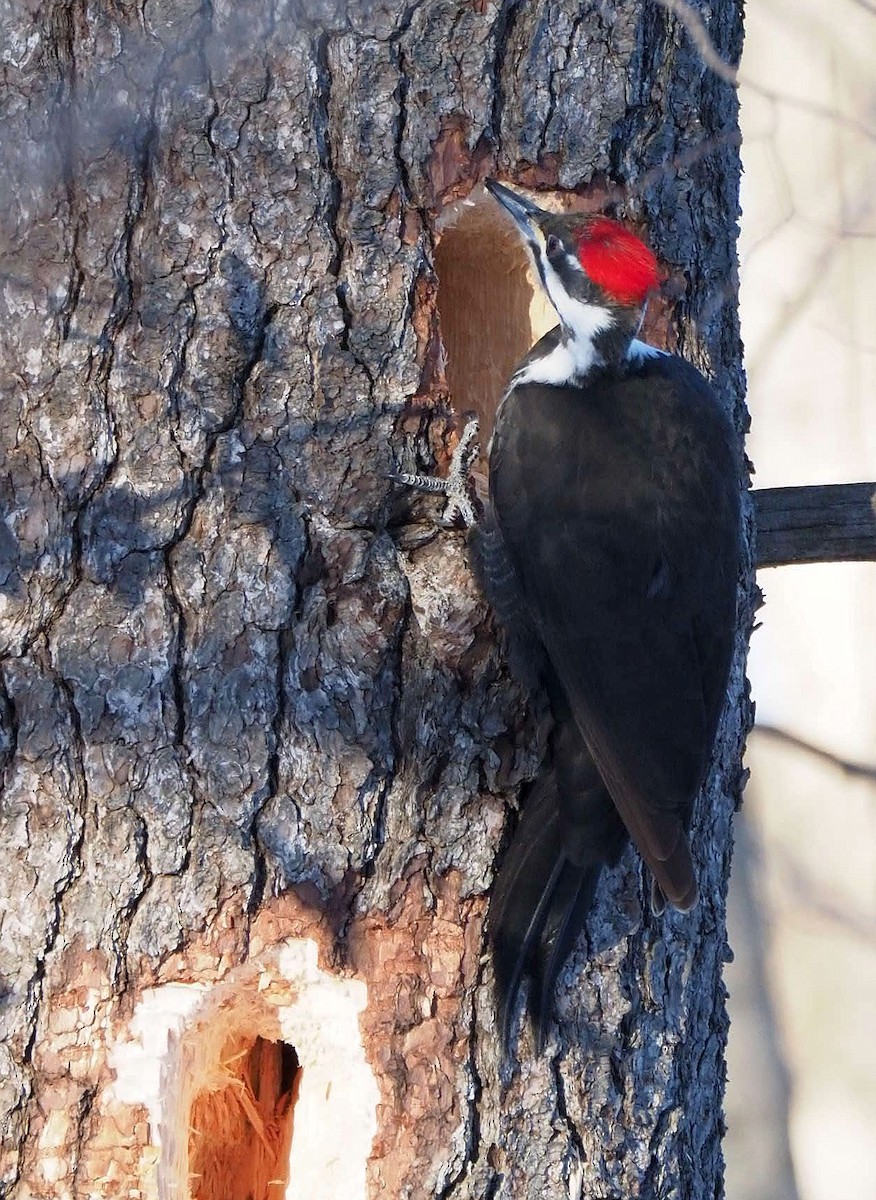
(240, 1127)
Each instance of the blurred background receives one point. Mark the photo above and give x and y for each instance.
(801, 1104)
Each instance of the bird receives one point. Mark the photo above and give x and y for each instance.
(609, 548)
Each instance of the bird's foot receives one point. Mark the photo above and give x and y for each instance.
(462, 503)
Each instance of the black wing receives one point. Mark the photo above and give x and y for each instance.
(618, 508)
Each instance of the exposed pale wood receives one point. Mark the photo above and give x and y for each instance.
(821, 523)
(243, 693)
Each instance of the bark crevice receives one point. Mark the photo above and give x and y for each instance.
(248, 695)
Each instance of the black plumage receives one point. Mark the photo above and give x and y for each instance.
(615, 502)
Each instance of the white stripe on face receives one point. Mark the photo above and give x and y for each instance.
(583, 321)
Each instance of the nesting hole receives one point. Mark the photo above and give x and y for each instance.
(491, 311)
(240, 1123)
(223, 1069)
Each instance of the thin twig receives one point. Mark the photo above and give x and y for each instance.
(854, 769)
(685, 158)
(693, 23)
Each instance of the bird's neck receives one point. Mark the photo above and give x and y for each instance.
(589, 339)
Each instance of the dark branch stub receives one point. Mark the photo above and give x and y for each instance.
(828, 523)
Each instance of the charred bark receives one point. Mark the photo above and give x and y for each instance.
(249, 702)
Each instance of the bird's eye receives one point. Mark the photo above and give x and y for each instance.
(553, 245)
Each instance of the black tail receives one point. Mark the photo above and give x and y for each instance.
(547, 880)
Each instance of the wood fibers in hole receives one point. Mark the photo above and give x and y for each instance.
(240, 1127)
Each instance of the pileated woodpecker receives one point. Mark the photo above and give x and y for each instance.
(610, 551)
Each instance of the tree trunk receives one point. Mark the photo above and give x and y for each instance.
(258, 738)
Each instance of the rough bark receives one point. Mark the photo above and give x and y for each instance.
(245, 697)
(825, 523)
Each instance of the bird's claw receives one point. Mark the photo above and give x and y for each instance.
(460, 508)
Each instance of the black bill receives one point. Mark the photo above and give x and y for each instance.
(526, 214)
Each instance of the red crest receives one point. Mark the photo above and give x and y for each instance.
(617, 261)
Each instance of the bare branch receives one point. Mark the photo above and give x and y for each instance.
(810, 897)
(693, 23)
(699, 35)
(828, 523)
(853, 769)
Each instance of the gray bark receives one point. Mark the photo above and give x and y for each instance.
(238, 681)
(834, 522)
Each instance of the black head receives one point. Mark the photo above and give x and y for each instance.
(596, 273)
